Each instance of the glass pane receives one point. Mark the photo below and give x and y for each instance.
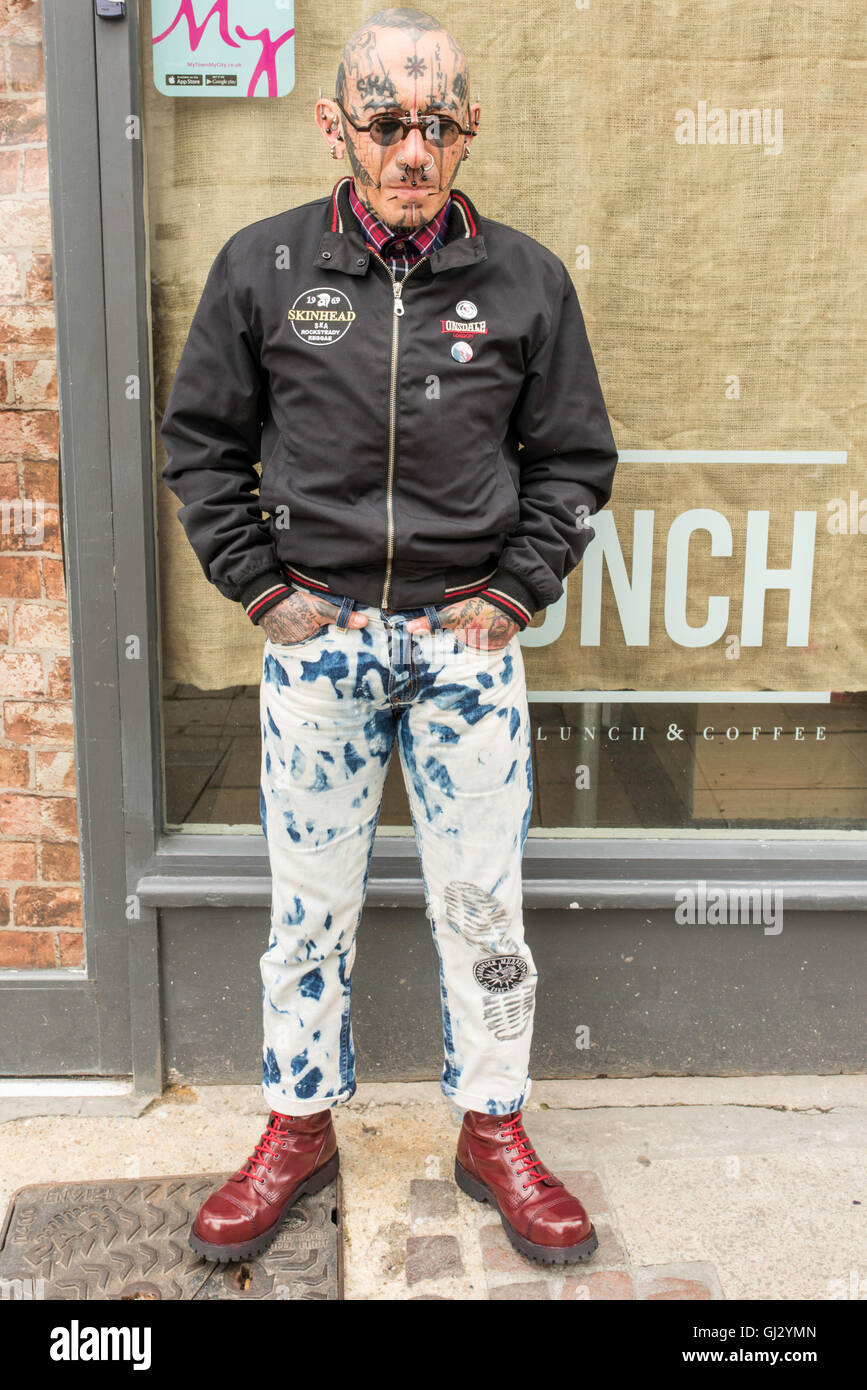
(749, 552)
(702, 766)
(605, 766)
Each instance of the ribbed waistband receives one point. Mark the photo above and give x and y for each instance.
(452, 593)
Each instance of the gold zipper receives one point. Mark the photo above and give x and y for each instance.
(399, 311)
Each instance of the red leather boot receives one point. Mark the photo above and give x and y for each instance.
(296, 1154)
(496, 1163)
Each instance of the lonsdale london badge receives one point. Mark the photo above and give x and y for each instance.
(321, 316)
(460, 329)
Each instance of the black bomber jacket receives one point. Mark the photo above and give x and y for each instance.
(420, 440)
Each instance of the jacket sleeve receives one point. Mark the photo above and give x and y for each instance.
(567, 465)
(212, 430)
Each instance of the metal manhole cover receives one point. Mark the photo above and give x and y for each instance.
(128, 1240)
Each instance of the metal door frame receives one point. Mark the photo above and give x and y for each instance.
(102, 1020)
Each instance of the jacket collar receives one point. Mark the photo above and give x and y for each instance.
(343, 247)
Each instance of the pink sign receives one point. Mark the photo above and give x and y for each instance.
(223, 48)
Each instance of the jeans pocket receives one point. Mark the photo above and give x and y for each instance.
(302, 641)
(459, 644)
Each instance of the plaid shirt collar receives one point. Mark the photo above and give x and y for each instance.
(423, 242)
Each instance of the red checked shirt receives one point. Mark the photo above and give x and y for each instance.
(403, 249)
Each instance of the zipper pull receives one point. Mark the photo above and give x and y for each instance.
(398, 302)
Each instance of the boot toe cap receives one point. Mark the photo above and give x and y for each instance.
(561, 1222)
(221, 1222)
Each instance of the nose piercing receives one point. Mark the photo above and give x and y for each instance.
(403, 164)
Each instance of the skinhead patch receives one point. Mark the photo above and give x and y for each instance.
(321, 316)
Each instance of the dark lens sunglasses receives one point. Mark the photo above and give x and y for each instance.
(437, 130)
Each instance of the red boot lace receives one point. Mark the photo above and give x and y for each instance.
(514, 1130)
(262, 1151)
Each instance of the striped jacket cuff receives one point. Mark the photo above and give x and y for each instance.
(506, 591)
(265, 592)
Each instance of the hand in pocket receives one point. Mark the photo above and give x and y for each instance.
(300, 617)
(477, 624)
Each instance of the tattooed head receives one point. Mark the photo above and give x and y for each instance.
(400, 60)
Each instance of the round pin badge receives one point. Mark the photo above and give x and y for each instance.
(466, 309)
(462, 352)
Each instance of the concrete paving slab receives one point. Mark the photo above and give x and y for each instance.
(700, 1188)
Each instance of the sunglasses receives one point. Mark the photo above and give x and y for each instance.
(437, 130)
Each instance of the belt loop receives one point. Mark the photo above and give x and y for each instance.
(346, 608)
(433, 617)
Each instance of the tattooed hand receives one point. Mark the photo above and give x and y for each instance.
(476, 622)
(300, 615)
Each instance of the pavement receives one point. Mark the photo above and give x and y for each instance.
(700, 1188)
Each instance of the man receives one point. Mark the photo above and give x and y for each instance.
(417, 382)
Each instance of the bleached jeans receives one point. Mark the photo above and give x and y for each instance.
(332, 707)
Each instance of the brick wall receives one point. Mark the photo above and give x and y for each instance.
(40, 897)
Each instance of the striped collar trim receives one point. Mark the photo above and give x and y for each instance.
(336, 214)
(469, 220)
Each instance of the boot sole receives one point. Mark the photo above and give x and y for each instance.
(542, 1254)
(246, 1250)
